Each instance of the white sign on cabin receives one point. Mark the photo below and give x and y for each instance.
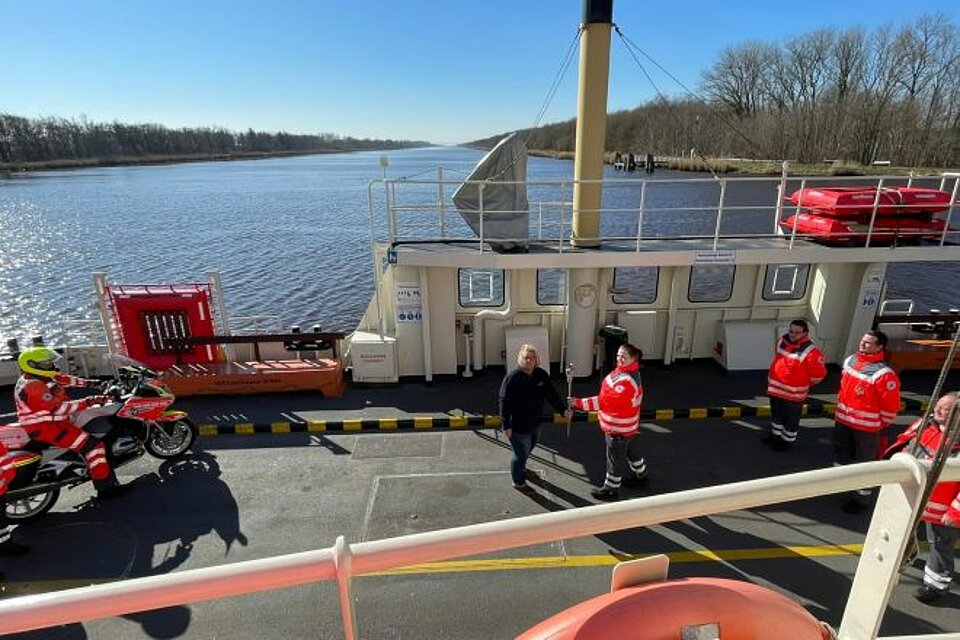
(409, 304)
(715, 257)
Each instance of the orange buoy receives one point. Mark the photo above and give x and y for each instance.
(707, 608)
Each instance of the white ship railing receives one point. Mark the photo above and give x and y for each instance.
(902, 480)
(419, 210)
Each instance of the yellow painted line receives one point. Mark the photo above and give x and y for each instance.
(459, 423)
(698, 412)
(280, 427)
(317, 426)
(731, 412)
(593, 417)
(569, 562)
(829, 407)
(763, 411)
(353, 424)
(388, 424)
(422, 422)
(515, 564)
(558, 418)
(243, 428)
(491, 421)
(208, 430)
(663, 414)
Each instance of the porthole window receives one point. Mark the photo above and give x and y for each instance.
(481, 287)
(785, 281)
(711, 282)
(635, 285)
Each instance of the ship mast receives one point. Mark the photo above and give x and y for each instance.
(582, 284)
(591, 120)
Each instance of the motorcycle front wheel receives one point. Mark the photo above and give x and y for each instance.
(171, 439)
(23, 509)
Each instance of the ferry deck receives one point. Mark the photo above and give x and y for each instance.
(244, 497)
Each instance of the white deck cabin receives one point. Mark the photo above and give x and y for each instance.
(691, 268)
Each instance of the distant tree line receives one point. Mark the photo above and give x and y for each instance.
(890, 94)
(37, 140)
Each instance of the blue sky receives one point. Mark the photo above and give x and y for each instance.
(445, 72)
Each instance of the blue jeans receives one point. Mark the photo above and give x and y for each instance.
(523, 444)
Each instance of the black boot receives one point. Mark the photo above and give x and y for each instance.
(606, 494)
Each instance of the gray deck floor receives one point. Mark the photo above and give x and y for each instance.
(246, 497)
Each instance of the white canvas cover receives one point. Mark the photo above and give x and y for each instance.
(505, 208)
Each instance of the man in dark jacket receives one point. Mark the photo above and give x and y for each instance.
(521, 405)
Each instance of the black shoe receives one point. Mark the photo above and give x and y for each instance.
(11, 548)
(854, 506)
(114, 491)
(606, 494)
(927, 594)
(525, 489)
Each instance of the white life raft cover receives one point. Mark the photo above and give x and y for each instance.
(503, 171)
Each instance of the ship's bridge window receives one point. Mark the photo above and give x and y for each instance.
(711, 282)
(635, 285)
(551, 286)
(785, 281)
(481, 287)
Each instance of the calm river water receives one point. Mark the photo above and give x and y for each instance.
(290, 236)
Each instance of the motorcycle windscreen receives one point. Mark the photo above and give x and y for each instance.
(504, 206)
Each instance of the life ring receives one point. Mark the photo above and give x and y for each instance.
(684, 608)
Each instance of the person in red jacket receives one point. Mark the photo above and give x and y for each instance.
(942, 513)
(46, 413)
(618, 410)
(867, 403)
(797, 365)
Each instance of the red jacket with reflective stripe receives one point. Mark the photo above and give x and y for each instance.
(869, 397)
(945, 499)
(45, 400)
(795, 367)
(618, 403)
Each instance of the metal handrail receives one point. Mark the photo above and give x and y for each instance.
(903, 478)
(549, 208)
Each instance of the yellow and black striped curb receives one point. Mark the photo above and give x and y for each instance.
(426, 423)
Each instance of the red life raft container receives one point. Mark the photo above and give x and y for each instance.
(676, 609)
(846, 231)
(858, 201)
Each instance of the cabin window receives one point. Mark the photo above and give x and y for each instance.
(785, 281)
(481, 287)
(551, 286)
(711, 282)
(635, 285)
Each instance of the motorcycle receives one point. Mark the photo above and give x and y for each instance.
(138, 421)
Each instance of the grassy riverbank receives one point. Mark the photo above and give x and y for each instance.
(78, 163)
(763, 167)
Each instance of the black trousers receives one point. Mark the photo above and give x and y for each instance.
(785, 419)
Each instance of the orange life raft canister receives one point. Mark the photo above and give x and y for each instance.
(674, 609)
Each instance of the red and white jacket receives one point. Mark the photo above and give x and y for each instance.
(45, 400)
(795, 368)
(945, 499)
(869, 396)
(618, 404)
